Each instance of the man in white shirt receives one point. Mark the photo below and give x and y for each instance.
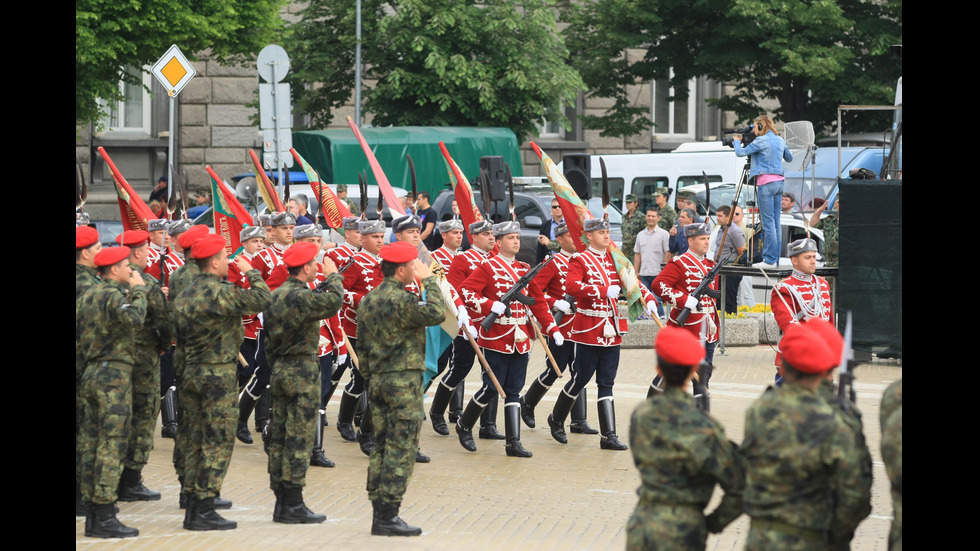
(651, 251)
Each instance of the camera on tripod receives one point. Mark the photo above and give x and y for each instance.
(747, 135)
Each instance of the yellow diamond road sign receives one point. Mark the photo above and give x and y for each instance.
(173, 70)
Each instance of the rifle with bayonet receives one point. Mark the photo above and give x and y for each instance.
(846, 395)
(703, 288)
(515, 293)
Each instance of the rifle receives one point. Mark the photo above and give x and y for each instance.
(558, 314)
(515, 293)
(845, 386)
(701, 289)
(702, 400)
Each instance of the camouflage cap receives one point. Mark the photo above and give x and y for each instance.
(480, 226)
(694, 230)
(685, 197)
(806, 350)
(800, 246)
(111, 255)
(283, 219)
(179, 227)
(593, 224)
(407, 222)
(85, 236)
(561, 229)
(662, 192)
(508, 227)
(306, 230)
(371, 226)
(341, 187)
(250, 232)
(449, 225)
(630, 198)
(350, 222)
(159, 224)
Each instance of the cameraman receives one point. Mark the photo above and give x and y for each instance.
(766, 153)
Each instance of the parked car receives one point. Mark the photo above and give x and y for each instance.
(108, 231)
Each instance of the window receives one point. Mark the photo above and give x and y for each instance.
(132, 114)
(644, 187)
(550, 128)
(672, 118)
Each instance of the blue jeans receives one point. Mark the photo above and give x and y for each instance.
(770, 198)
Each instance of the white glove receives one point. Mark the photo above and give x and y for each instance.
(341, 359)
(691, 303)
(651, 307)
(471, 330)
(613, 291)
(563, 306)
(558, 338)
(498, 308)
(462, 317)
(323, 341)
(260, 318)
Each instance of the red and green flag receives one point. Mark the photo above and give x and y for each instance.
(268, 192)
(230, 217)
(132, 209)
(334, 210)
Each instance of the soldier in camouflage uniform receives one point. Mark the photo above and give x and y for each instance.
(681, 453)
(107, 318)
(391, 325)
(891, 453)
(293, 325)
(633, 222)
(668, 216)
(207, 316)
(154, 337)
(801, 492)
(831, 232)
(87, 245)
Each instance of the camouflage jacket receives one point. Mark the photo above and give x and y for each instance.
(85, 277)
(158, 327)
(682, 453)
(208, 316)
(890, 401)
(801, 462)
(391, 326)
(831, 238)
(668, 217)
(180, 278)
(632, 224)
(107, 318)
(292, 321)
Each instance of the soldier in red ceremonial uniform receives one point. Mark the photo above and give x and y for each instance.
(551, 279)
(462, 356)
(342, 254)
(175, 258)
(597, 330)
(252, 239)
(507, 343)
(803, 295)
(159, 246)
(452, 238)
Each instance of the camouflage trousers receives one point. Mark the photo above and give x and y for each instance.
(396, 412)
(295, 397)
(666, 527)
(180, 440)
(104, 431)
(209, 402)
(146, 407)
(767, 536)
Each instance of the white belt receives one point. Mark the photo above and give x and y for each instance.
(511, 321)
(595, 313)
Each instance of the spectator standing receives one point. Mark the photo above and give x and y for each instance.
(547, 243)
(633, 223)
(651, 251)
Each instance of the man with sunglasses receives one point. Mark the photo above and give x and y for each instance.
(547, 242)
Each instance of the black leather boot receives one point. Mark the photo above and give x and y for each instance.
(168, 413)
(438, 409)
(579, 424)
(345, 418)
(512, 425)
(361, 409)
(488, 421)
(202, 516)
(557, 418)
(464, 427)
(245, 406)
(262, 411)
(456, 403)
(421, 457)
(131, 487)
(365, 434)
(530, 399)
(101, 522)
(292, 510)
(318, 458)
(388, 523)
(656, 387)
(607, 425)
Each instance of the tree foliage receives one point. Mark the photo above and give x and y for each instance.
(113, 37)
(809, 56)
(436, 62)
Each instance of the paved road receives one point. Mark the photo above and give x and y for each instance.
(572, 497)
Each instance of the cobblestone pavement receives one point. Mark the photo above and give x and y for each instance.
(571, 497)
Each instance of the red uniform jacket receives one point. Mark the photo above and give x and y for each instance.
(807, 297)
(676, 281)
(359, 279)
(551, 281)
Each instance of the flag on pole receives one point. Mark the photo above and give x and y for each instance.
(333, 209)
(575, 212)
(463, 192)
(132, 209)
(266, 189)
(230, 217)
(388, 192)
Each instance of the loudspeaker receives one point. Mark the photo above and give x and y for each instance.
(577, 168)
(494, 165)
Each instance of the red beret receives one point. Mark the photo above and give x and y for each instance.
(830, 335)
(85, 236)
(679, 346)
(207, 246)
(133, 238)
(189, 237)
(398, 252)
(111, 255)
(298, 254)
(806, 350)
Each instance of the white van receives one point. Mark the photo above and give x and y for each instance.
(643, 173)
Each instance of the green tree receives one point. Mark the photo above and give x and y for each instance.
(808, 56)
(111, 38)
(436, 62)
